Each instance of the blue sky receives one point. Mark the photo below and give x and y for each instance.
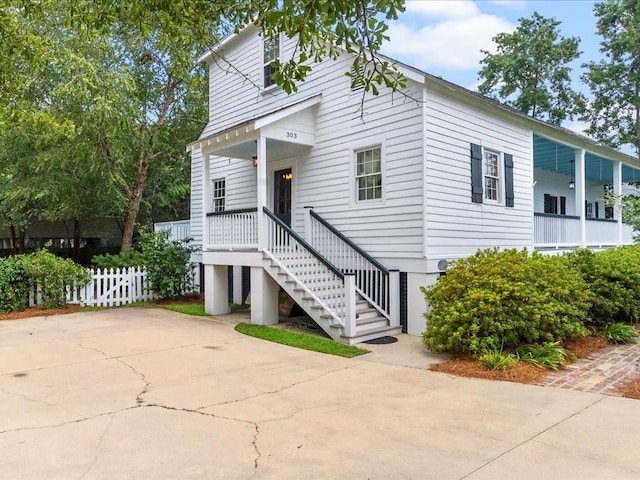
(444, 37)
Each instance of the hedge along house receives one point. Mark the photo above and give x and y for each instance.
(350, 211)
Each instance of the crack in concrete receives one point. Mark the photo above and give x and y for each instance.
(107, 357)
(25, 397)
(69, 422)
(509, 450)
(254, 442)
(97, 449)
(278, 390)
(147, 384)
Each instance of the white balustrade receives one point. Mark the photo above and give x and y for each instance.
(233, 230)
(556, 230)
(326, 286)
(601, 232)
(372, 280)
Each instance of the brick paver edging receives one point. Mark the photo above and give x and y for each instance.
(601, 372)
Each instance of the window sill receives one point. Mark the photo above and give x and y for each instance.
(269, 90)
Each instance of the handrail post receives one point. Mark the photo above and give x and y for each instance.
(394, 298)
(350, 304)
(307, 224)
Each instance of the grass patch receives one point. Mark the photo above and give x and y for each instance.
(300, 340)
(90, 308)
(196, 309)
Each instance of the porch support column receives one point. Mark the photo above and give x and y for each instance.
(216, 295)
(350, 305)
(617, 195)
(394, 298)
(237, 284)
(264, 297)
(580, 195)
(262, 190)
(206, 198)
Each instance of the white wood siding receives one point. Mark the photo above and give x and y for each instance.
(457, 227)
(240, 181)
(324, 175)
(196, 198)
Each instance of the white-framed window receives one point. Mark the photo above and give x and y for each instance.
(589, 208)
(270, 53)
(491, 175)
(369, 174)
(218, 191)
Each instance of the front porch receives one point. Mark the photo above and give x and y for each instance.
(577, 197)
(347, 293)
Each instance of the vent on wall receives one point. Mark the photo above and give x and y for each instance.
(357, 82)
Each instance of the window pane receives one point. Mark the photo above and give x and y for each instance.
(271, 48)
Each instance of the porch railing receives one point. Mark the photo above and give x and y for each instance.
(371, 277)
(601, 231)
(627, 234)
(556, 230)
(233, 229)
(322, 279)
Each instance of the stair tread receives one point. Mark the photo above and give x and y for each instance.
(365, 321)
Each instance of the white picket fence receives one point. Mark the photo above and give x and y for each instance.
(108, 288)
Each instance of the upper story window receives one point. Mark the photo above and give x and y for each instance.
(369, 174)
(270, 53)
(491, 172)
(219, 194)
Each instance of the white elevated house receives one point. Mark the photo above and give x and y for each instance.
(350, 214)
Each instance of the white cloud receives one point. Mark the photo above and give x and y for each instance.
(515, 4)
(443, 8)
(453, 43)
(576, 126)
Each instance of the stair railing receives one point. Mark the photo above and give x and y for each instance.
(375, 283)
(320, 277)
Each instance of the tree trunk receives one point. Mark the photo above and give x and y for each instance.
(75, 252)
(14, 240)
(21, 247)
(134, 204)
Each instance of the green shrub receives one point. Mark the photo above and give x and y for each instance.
(52, 275)
(130, 258)
(498, 361)
(167, 264)
(14, 287)
(613, 276)
(504, 299)
(548, 355)
(620, 333)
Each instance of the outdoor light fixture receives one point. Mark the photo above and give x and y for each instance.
(287, 176)
(255, 161)
(572, 183)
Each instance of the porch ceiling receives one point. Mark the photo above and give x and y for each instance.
(287, 130)
(549, 155)
(247, 149)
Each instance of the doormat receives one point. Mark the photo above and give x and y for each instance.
(382, 340)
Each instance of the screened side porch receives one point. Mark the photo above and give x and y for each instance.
(577, 197)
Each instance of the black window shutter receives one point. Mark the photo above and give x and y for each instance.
(597, 210)
(563, 205)
(476, 173)
(547, 203)
(508, 180)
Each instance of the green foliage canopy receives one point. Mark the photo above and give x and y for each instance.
(531, 70)
(614, 111)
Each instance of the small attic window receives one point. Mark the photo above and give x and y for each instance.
(270, 53)
(357, 79)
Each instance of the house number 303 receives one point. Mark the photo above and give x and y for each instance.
(292, 135)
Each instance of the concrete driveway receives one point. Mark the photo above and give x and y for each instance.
(152, 394)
